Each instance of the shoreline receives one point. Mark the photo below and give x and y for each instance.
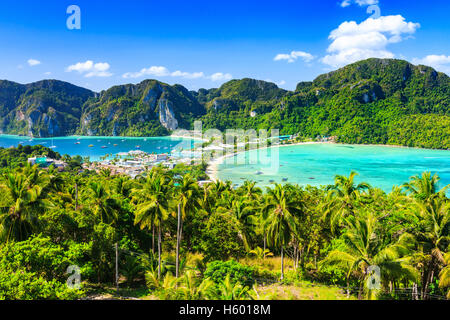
(14, 136)
(212, 169)
(187, 137)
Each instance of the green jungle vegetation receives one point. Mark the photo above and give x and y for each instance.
(177, 240)
(375, 101)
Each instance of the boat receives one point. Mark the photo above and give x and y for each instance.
(52, 146)
(104, 147)
(115, 144)
(138, 147)
(77, 142)
(91, 145)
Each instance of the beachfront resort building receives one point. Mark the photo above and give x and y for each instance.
(44, 162)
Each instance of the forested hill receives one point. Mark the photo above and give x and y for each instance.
(372, 101)
(44, 108)
(379, 101)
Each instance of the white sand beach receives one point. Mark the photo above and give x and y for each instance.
(213, 165)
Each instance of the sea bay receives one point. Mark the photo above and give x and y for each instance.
(317, 164)
(97, 147)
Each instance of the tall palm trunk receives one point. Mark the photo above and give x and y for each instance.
(428, 276)
(282, 264)
(159, 250)
(178, 242)
(294, 256)
(264, 252)
(76, 196)
(348, 289)
(153, 238)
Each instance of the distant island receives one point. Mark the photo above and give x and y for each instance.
(375, 101)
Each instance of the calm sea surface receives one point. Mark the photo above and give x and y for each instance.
(96, 147)
(313, 164)
(317, 164)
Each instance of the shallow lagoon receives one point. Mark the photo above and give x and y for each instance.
(317, 164)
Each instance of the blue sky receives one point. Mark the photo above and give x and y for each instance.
(201, 44)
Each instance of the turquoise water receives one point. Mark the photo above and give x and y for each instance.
(101, 145)
(317, 164)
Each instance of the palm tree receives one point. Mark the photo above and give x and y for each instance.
(281, 208)
(106, 173)
(242, 211)
(214, 192)
(123, 185)
(249, 190)
(26, 200)
(444, 276)
(193, 289)
(262, 208)
(261, 253)
(432, 221)
(341, 199)
(153, 204)
(364, 248)
(103, 205)
(232, 291)
(187, 195)
(431, 213)
(424, 187)
(55, 180)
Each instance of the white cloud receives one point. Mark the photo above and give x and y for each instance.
(160, 71)
(47, 73)
(91, 69)
(219, 76)
(369, 39)
(33, 62)
(187, 75)
(438, 62)
(346, 3)
(156, 71)
(293, 56)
